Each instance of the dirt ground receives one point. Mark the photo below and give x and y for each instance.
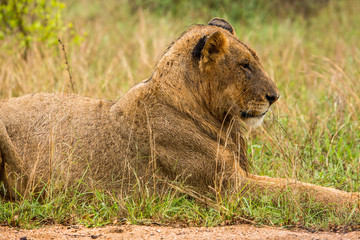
(159, 232)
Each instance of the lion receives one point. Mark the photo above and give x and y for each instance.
(186, 122)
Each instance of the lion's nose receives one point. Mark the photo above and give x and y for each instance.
(272, 97)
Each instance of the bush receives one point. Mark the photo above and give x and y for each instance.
(28, 21)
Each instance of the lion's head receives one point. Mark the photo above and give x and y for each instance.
(222, 73)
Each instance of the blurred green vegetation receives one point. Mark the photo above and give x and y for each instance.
(243, 10)
(28, 21)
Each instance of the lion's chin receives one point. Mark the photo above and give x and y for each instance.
(254, 121)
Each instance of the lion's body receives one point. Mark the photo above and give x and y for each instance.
(185, 122)
(59, 133)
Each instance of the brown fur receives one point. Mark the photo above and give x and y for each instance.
(185, 122)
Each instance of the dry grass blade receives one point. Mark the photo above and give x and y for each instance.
(67, 65)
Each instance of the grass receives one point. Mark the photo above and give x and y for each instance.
(312, 133)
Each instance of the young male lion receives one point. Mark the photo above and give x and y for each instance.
(186, 122)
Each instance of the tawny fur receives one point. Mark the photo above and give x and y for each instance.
(185, 122)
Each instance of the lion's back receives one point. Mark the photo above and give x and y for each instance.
(59, 126)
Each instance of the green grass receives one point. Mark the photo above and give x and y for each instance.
(96, 208)
(312, 133)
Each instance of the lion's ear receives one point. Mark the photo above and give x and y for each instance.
(219, 22)
(215, 48)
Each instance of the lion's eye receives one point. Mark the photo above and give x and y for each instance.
(245, 65)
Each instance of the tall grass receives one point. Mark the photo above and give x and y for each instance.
(312, 133)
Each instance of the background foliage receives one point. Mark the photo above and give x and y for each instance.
(27, 21)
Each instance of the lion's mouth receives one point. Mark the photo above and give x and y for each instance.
(252, 118)
(245, 114)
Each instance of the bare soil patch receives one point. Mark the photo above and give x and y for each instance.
(160, 232)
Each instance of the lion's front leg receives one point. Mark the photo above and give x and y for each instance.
(324, 195)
